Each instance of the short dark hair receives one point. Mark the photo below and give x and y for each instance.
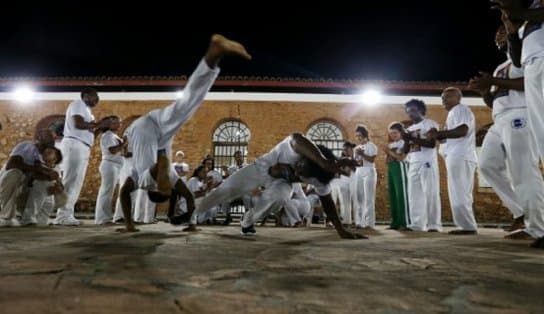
(88, 91)
(418, 104)
(362, 129)
(396, 126)
(349, 144)
(197, 170)
(319, 173)
(209, 158)
(238, 152)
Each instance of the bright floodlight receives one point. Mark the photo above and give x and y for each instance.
(23, 94)
(371, 97)
(179, 94)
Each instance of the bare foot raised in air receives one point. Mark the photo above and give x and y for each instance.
(221, 46)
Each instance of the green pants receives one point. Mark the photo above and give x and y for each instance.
(398, 194)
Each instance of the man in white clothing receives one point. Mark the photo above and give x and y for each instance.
(459, 151)
(24, 164)
(150, 136)
(79, 133)
(423, 176)
(294, 158)
(509, 157)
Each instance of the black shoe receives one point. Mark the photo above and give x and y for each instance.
(227, 221)
(249, 231)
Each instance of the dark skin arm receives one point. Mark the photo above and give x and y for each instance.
(458, 132)
(184, 191)
(118, 148)
(365, 156)
(330, 209)
(126, 203)
(80, 123)
(304, 147)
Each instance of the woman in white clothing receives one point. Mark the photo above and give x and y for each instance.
(365, 154)
(111, 146)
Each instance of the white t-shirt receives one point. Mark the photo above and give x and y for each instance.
(29, 152)
(107, 140)
(78, 108)
(194, 184)
(463, 147)
(181, 167)
(419, 130)
(215, 175)
(234, 167)
(370, 149)
(532, 35)
(506, 99)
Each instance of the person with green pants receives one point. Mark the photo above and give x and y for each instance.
(396, 178)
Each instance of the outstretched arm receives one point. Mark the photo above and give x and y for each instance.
(458, 132)
(330, 209)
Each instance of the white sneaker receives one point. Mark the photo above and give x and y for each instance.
(66, 221)
(29, 221)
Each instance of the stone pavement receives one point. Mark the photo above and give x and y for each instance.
(162, 270)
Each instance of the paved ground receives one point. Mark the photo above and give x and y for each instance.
(162, 270)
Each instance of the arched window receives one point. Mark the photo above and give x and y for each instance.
(229, 137)
(327, 134)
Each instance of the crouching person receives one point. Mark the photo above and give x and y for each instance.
(45, 196)
(25, 163)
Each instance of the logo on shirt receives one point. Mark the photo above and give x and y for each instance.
(519, 123)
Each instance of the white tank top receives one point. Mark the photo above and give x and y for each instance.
(532, 35)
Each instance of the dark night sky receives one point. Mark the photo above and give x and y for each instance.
(396, 40)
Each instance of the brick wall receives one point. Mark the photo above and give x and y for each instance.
(269, 123)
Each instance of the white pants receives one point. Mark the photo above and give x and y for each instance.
(240, 183)
(276, 195)
(144, 208)
(40, 204)
(365, 212)
(73, 167)
(509, 162)
(124, 173)
(345, 198)
(109, 172)
(12, 184)
(295, 209)
(156, 130)
(424, 196)
(534, 95)
(460, 188)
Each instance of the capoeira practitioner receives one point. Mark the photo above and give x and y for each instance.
(44, 192)
(79, 133)
(295, 152)
(509, 157)
(111, 146)
(24, 164)
(150, 136)
(365, 153)
(527, 49)
(396, 178)
(459, 151)
(423, 176)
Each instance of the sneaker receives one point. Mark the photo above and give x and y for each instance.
(66, 221)
(5, 223)
(29, 221)
(249, 231)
